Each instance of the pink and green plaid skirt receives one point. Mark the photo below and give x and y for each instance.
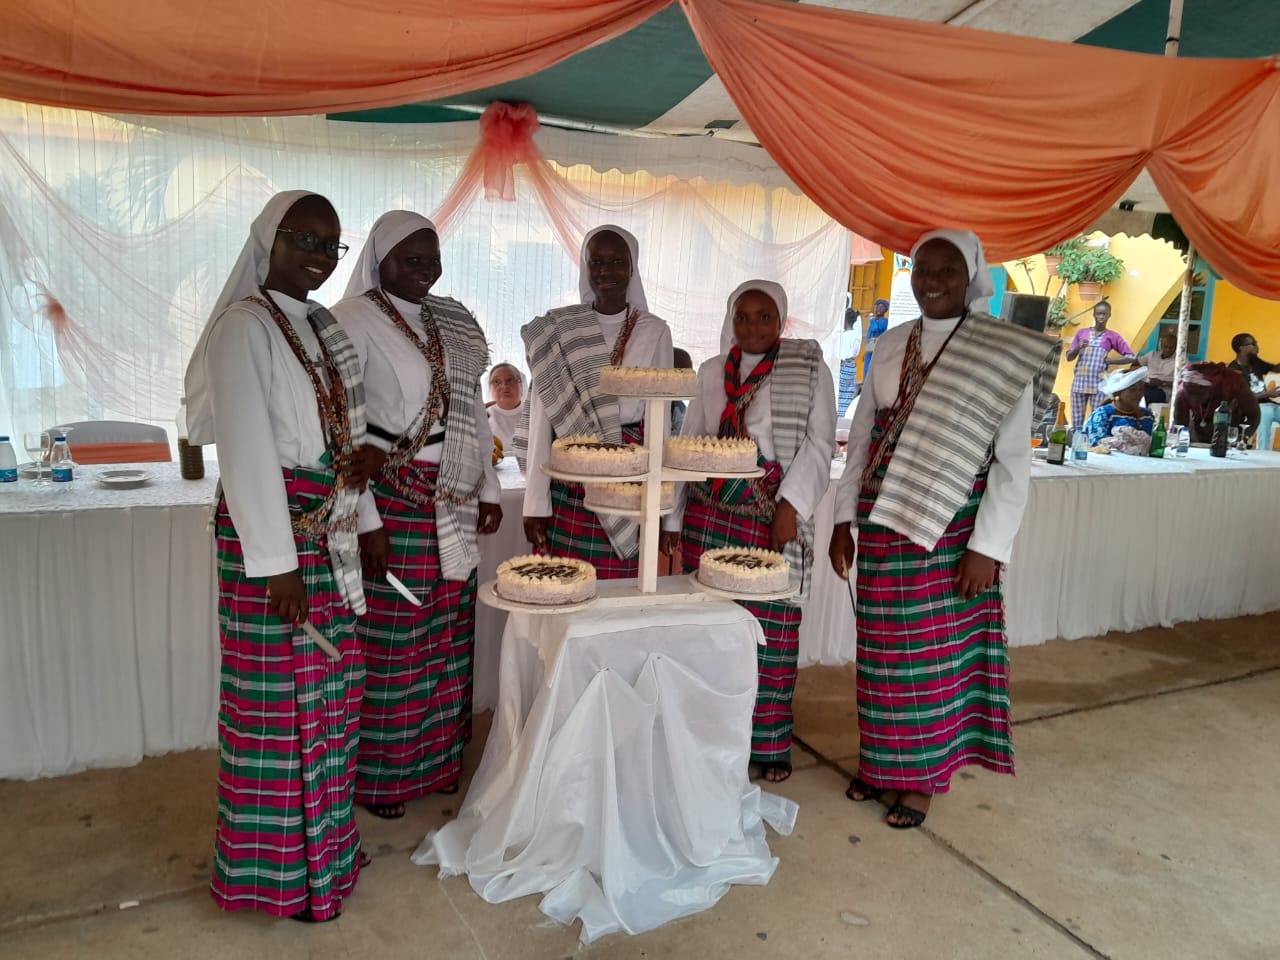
(933, 668)
(288, 724)
(416, 716)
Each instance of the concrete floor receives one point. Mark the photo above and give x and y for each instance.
(1139, 826)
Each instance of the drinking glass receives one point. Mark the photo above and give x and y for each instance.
(1233, 439)
(37, 446)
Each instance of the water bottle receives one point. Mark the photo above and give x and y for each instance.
(1079, 447)
(1184, 443)
(8, 462)
(62, 469)
(1221, 428)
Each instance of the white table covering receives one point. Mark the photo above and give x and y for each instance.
(614, 780)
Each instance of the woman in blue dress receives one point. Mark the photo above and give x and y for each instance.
(1122, 425)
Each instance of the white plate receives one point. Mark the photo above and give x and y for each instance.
(634, 395)
(591, 478)
(123, 479)
(489, 596)
(680, 473)
(792, 589)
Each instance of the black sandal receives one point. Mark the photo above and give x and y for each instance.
(386, 811)
(364, 860)
(858, 785)
(912, 817)
(771, 766)
(306, 916)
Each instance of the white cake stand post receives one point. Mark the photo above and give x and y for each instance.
(655, 434)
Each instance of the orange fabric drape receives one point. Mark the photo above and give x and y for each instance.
(121, 452)
(909, 125)
(890, 125)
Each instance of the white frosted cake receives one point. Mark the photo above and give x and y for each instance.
(625, 496)
(589, 456)
(648, 381)
(547, 581)
(711, 454)
(744, 570)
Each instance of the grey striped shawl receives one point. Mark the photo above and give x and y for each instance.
(566, 353)
(466, 357)
(793, 391)
(948, 435)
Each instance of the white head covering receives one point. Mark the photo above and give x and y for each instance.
(970, 247)
(635, 289)
(1113, 383)
(388, 230)
(770, 289)
(248, 274)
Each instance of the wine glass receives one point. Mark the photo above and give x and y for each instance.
(1233, 438)
(37, 445)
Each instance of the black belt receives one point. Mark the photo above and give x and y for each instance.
(399, 442)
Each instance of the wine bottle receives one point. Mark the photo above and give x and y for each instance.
(1058, 438)
(1221, 429)
(1159, 438)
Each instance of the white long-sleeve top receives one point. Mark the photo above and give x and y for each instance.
(397, 379)
(1005, 499)
(265, 415)
(649, 346)
(810, 473)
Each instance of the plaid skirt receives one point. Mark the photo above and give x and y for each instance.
(933, 668)
(288, 722)
(416, 714)
(575, 531)
(708, 526)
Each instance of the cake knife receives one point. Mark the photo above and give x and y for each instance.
(402, 589)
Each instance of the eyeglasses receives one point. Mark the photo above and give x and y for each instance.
(308, 242)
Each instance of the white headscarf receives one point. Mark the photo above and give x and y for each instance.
(635, 289)
(248, 274)
(388, 230)
(770, 289)
(970, 247)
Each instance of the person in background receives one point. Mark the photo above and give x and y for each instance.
(1159, 362)
(422, 356)
(566, 348)
(850, 345)
(1093, 347)
(778, 392)
(506, 387)
(1122, 425)
(949, 398)
(678, 407)
(1202, 388)
(876, 328)
(1255, 371)
(276, 383)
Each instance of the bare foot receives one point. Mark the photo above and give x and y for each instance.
(908, 810)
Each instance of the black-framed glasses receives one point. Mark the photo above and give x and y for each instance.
(308, 242)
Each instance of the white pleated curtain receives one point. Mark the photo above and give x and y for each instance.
(117, 233)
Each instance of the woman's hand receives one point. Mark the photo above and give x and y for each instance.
(287, 594)
(360, 466)
(975, 575)
(490, 518)
(840, 550)
(535, 531)
(785, 522)
(375, 552)
(669, 542)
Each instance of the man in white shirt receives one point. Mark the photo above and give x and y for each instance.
(1159, 363)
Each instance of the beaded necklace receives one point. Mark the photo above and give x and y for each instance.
(624, 335)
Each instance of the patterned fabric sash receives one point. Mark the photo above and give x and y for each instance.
(344, 431)
(739, 393)
(566, 353)
(940, 444)
(462, 356)
(435, 409)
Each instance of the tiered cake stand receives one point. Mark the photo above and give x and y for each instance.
(649, 588)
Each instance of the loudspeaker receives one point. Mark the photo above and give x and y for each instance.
(1026, 310)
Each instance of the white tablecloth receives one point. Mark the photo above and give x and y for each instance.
(614, 780)
(508, 542)
(108, 622)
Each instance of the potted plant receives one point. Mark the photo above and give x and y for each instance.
(1053, 256)
(1057, 318)
(1090, 268)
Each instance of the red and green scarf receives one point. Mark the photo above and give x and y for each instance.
(738, 392)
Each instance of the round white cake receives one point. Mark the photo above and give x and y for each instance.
(625, 496)
(589, 456)
(648, 381)
(546, 581)
(744, 570)
(711, 454)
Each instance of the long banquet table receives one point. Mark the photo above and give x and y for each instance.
(108, 634)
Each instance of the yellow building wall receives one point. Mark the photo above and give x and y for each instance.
(1235, 311)
(1152, 278)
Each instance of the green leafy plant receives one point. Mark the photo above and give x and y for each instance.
(1057, 318)
(1065, 247)
(1090, 265)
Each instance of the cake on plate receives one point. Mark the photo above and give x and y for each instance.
(625, 496)
(546, 581)
(711, 454)
(744, 570)
(590, 456)
(648, 381)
